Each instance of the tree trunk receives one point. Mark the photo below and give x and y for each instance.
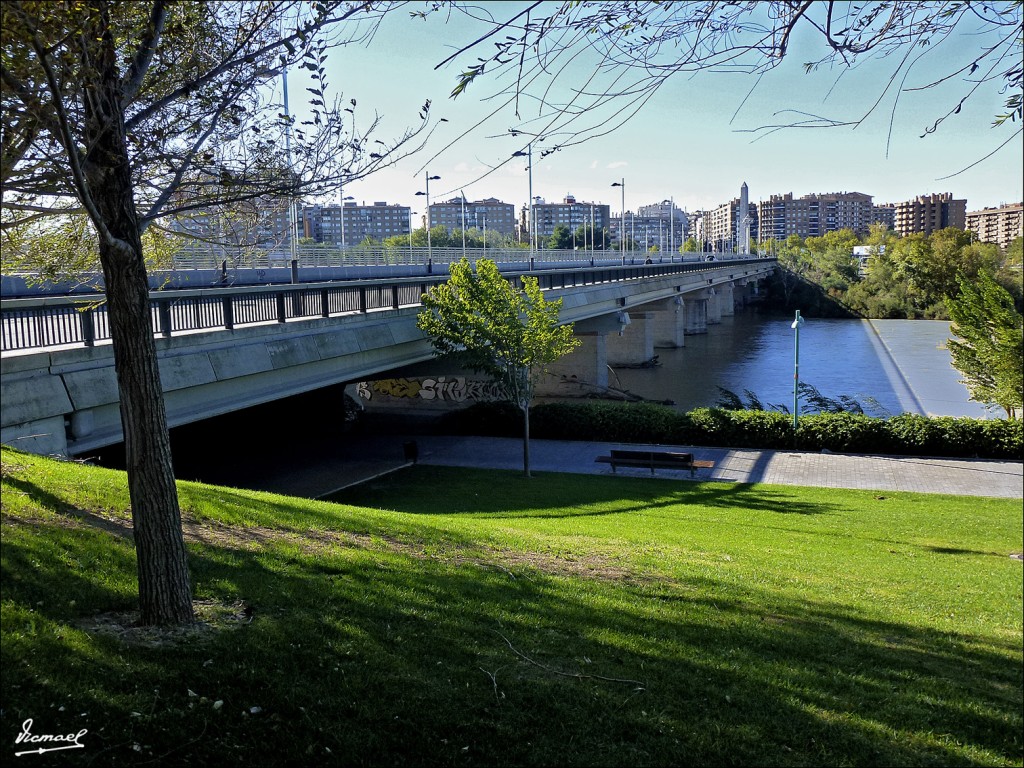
(526, 439)
(165, 595)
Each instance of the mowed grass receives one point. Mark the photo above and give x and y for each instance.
(456, 617)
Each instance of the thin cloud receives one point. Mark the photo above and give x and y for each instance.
(617, 164)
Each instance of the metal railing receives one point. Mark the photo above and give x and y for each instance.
(83, 320)
(213, 256)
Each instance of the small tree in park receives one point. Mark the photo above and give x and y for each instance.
(987, 350)
(510, 333)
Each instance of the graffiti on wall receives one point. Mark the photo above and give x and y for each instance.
(455, 389)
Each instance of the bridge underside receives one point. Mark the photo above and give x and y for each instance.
(64, 401)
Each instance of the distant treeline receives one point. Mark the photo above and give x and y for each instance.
(902, 277)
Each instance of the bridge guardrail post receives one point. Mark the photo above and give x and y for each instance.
(325, 303)
(394, 297)
(362, 299)
(163, 312)
(88, 327)
(229, 312)
(281, 315)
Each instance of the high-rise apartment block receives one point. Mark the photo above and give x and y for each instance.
(813, 215)
(490, 214)
(722, 227)
(661, 225)
(1000, 225)
(884, 215)
(929, 213)
(568, 213)
(324, 223)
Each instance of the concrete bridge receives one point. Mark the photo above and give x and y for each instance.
(227, 349)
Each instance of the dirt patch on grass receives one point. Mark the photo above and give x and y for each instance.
(515, 563)
(211, 616)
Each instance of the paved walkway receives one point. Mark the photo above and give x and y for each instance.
(363, 458)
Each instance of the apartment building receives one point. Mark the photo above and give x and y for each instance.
(662, 225)
(722, 227)
(885, 215)
(1000, 225)
(813, 215)
(491, 214)
(929, 213)
(569, 213)
(354, 223)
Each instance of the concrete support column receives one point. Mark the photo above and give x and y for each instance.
(582, 371)
(669, 323)
(695, 311)
(726, 299)
(634, 343)
(714, 306)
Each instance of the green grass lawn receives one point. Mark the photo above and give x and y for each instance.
(448, 616)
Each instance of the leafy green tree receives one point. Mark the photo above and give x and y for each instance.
(589, 238)
(987, 349)
(689, 245)
(561, 238)
(511, 334)
(130, 113)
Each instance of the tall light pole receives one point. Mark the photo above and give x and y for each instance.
(593, 243)
(293, 216)
(528, 154)
(412, 214)
(463, 223)
(477, 215)
(341, 210)
(672, 226)
(429, 179)
(797, 322)
(622, 235)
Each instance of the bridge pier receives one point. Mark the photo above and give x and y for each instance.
(634, 343)
(726, 300)
(695, 311)
(582, 371)
(668, 323)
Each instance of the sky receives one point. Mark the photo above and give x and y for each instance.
(692, 142)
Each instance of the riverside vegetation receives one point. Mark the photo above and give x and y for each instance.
(455, 617)
(906, 434)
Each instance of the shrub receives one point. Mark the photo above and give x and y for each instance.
(611, 422)
(846, 432)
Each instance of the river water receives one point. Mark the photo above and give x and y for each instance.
(889, 366)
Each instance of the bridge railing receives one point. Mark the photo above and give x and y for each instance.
(208, 256)
(38, 323)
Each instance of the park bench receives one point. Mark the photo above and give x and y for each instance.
(654, 460)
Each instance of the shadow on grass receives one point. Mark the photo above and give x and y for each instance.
(388, 655)
(386, 658)
(418, 489)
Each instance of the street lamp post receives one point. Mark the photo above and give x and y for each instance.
(622, 234)
(485, 230)
(429, 179)
(528, 154)
(341, 211)
(797, 323)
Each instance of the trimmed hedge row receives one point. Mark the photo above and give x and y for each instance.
(907, 434)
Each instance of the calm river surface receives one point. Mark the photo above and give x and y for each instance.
(902, 365)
